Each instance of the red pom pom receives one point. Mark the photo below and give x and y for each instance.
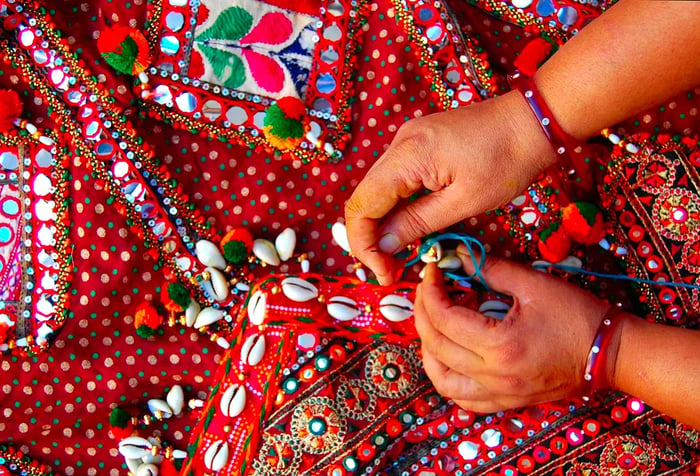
(10, 109)
(124, 49)
(292, 107)
(554, 244)
(583, 222)
(534, 53)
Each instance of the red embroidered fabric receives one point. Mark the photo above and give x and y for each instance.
(331, 403)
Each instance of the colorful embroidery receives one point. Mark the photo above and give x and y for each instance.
(652, 196)
(34, 249)
(227, 63)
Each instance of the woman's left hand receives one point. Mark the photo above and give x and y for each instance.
(536, 353)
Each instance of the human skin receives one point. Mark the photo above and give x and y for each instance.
(476, 158)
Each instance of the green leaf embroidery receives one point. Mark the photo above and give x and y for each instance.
(232, 24)
(227, 67)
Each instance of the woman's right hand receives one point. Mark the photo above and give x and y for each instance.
(472, 159)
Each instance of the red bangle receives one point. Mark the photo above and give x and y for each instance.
(562, 143)
(597, 356)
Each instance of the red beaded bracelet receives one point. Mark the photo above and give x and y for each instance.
(597, 356)
(562, 143)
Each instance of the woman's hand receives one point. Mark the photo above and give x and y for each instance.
(472, 159)
(536, 353)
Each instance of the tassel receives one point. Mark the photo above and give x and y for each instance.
(584, 222)
(236, 245)
(124, 49)
(554, 244)
(284, 122)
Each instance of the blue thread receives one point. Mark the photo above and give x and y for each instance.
(468, 241)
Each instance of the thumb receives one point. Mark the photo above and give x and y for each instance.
(427, 214)
(501, 275)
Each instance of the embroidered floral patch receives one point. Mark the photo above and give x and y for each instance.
(227, 62)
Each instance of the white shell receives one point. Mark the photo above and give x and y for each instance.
(361, 274)
(253, 349)
(219, 285)
(265, 252)
(299, 290)
(343, 308)
(147, 470)
(134, 447)
(494, 308)
(150, 458)
(191, 313)
(305, 266)
(257, 307)
(133, 464)
(223, 342)
(395, 308)
(176, 399)
(209, 255)
(179, 454)
(195, 403)
(207, 316)
(158, 405)
(233, 401)
(285, 243)
(434, 254)
(340, 235)
(450, 262)
(216, 456)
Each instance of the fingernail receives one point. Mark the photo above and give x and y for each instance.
(389, 243)
(462, 250)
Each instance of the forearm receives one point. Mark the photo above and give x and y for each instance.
(634, 56)
(661, 365)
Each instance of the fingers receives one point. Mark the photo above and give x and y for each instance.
(374, 198)
(501, 275)
(450, 383)
(461, 324)
(440, 346)
(421, 217)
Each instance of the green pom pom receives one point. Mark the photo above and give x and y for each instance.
(119, 417)
(145, 331)
(235, 252)
(179, 294)
(282, 126)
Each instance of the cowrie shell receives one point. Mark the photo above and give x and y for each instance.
(253, 349)
(209, 255)
(340, 235)
(342, 308)
(207, 316)
(265, 252)
(433, 255)
(191, 313)
(395, 308)
(285, 243)
(158, 405)
(134, 447)
(257, 307)
(299, 290)
(233, 401)
(176, 399)
(216, 286)
(216, 456)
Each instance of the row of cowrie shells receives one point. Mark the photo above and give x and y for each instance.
(394, 308)
(233, 400)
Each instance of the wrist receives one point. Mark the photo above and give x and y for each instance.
(559, 139)
(529, 146)
(601, 363)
